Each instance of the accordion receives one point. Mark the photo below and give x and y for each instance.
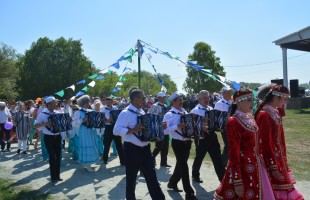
(216, 120)
(95, 119)
(189, 121)
(153, 130)
(193, 125)
(114, 115)
(61, 122)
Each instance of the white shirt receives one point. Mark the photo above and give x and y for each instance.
(43, 118)
(200, 110)
(4, 115)
(172, 123)
(128, 120)
(107, 111)
(222, 105)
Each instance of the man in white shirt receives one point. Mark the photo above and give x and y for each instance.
(208, 143)
(137, 153)
(160, 108)
(51, 140)
(224, 105)
(181, 146)
(5, 116)
(108, 134)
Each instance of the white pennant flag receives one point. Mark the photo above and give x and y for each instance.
(223, 79)
(92, 84)
(119, 83)
(104, 70)
(72, 87)
(149, 56)
(163, 89)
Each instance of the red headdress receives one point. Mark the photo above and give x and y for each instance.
(276, 91)
(243, 94)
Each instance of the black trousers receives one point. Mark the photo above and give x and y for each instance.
(181, 150)
(107, 141)
(53, 146)
(163, 148)
(211, 145)
(4, 133)
(225, 150)
(140, 158)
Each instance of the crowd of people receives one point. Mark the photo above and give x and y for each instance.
(252, 165)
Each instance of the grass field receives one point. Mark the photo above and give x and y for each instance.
(10, 192)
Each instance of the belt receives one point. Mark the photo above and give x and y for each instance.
(51, 135)
(182, 141)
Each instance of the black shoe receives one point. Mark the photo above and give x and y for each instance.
(105, 162)
(192, 197)
(174, 187)
(24, 152)
(198, 180)
(18, 151)
(165, 165)
(59, 179)
(54, 181)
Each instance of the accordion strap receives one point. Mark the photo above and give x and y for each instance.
(49, 114)
(135, 134)
(180, 115)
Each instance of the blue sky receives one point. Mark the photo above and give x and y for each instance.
(240, 32)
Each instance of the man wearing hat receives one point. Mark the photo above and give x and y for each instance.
(208, 143)
(160, 108)
(5, 116)
(51, 140)
(224, 105)
(181, 146)
(137, 153)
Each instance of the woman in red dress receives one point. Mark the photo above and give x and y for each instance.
(245, 177)
(272, 141)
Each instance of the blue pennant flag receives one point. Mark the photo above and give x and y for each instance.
(153, 50)
(100, 77)
(159, 79)
(126, 68)
(116, 89)
(121, 59)
(116, 65)
(79, 93)
(167, 54)
(140, 49)
(81, 82)
(236, 86)
(195, 66)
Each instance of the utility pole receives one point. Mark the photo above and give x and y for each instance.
(139, 48)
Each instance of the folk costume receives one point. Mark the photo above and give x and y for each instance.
(23, 126)
(272, 147)
(245, 167)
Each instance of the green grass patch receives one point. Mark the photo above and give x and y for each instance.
(10, 192)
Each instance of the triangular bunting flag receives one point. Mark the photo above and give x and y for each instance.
(72, 87)
(93, 76)
(81, 82)
(100, 77)
(131, 52)
(60, 93)
(163, 89)
(121, 79)
(119, 83)
(116, 89)
(79, 93)
(128, 58)
(116, 65)
(85, 89)
(92, 84)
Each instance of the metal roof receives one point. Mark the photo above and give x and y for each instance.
(299, 40)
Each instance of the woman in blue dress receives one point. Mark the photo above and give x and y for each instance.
(87, 150)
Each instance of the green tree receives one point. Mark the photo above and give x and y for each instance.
(149, 83)
(250, 85)
(196, 80)
(305, 85)
(50, 66)
(9, 72)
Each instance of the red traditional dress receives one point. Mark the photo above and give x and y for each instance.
(244, 165)
(272, 147)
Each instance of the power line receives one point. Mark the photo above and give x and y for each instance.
(264, 63)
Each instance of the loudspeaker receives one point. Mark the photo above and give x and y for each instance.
(301, 91)
(277, 81)
(294, 87)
